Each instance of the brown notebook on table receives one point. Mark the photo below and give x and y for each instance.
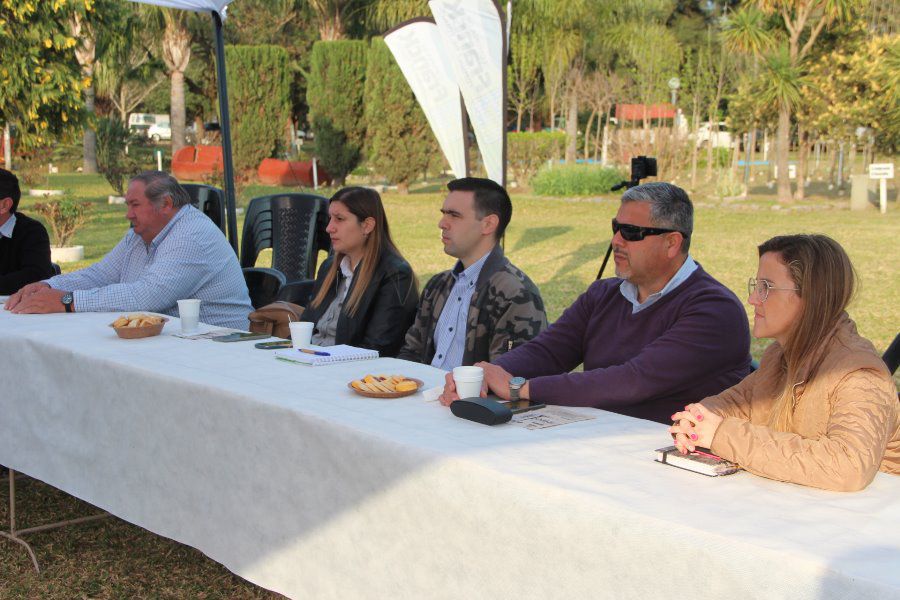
(702, 462)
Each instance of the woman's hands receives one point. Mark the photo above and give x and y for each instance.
(695, 426)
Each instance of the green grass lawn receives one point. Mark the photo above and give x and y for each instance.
(558, 242)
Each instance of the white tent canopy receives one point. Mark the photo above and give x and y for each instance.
(217, 6)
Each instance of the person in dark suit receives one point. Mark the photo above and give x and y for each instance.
(24, 245)
(366, 294)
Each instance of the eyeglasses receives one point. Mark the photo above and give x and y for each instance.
(762, 287)
(635, 233)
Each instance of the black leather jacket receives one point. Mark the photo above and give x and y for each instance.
(386, 310)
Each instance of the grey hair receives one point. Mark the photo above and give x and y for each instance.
(670, 207)
(159, 185)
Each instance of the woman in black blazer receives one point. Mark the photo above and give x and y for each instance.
(366, 293)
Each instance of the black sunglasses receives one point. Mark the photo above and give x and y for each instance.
(635, 233)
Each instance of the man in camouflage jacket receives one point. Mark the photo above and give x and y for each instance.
(499, 306)
(506, 311)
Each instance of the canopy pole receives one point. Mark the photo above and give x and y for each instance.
(225, 125)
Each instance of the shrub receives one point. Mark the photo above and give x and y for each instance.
(112, 162)
(728, 185)
(65, 217)
(337, 73)
(259, 92)
(31, 168)
(400, 144)
(527, 152)
(575, 180)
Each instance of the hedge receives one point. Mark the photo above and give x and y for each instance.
(259, 99)
(337, 76)
(575, 180)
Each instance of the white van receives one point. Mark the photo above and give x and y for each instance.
(140, 122)
(161, 130)
(718, 139)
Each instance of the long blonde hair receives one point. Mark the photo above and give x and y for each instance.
(822, 271)
(362, 203)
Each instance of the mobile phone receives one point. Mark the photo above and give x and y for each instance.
(241, 337)
(521, 406)
(518, 406)
(279, 345)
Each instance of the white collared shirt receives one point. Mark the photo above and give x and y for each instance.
(450, 333)
(630, 291)
(326, 329)
(6, 230)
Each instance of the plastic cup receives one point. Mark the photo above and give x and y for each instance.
(468, 381)
(189, 313)
(301, 333)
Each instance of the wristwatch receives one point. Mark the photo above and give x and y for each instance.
(67, 300)
(515, 384)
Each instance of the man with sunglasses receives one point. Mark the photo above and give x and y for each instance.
(661, 334)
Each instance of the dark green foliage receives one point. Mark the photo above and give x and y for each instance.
(575, 180)
(529, 151)
(335, 95)
(259, 91)
(116, 166)
(400, 143)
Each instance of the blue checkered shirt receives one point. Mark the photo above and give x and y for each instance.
(450, 333)
(189, 258)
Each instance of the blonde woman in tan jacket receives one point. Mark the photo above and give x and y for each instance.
(822, 410)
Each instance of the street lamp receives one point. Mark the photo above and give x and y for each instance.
(674, 85)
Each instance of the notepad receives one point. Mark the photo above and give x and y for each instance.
(702, 462)
(338, 354)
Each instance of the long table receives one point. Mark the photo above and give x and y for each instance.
(285, 476)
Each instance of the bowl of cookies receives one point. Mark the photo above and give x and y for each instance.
(385, 386)
(132, 327)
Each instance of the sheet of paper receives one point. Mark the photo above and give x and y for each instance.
(432, 394)
(548, 417)
(204, 335)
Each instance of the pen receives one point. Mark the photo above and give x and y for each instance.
(316, 352)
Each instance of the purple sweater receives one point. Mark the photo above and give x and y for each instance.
(692, 343)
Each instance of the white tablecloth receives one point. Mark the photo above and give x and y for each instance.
(283, 475)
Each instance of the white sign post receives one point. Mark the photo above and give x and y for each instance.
(882, 172)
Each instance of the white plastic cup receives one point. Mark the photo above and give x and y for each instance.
(301, 333)
(189, 313)
(468, 381)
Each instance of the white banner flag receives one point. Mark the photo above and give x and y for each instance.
(418, 49)
(472, 31)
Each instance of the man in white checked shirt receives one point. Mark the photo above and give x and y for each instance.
(173, 252)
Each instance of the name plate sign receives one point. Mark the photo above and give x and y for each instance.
(881, 170)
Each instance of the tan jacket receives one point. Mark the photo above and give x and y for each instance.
(846, 417)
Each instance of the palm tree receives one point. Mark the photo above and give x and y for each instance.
(127, 72)
(176, 53)
(86, 55)
(333, 16)
(802, 21)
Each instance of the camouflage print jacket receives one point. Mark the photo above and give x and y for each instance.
(506, 311)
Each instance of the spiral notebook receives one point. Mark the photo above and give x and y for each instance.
(336, 354)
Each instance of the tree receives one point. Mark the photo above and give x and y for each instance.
(399, 140)
(332, 16)
(127, 72)
(171, 27)
(802, 23)
(96, 30)
(259, 101)
(384, 14)
(40, 83)
(335, 95)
